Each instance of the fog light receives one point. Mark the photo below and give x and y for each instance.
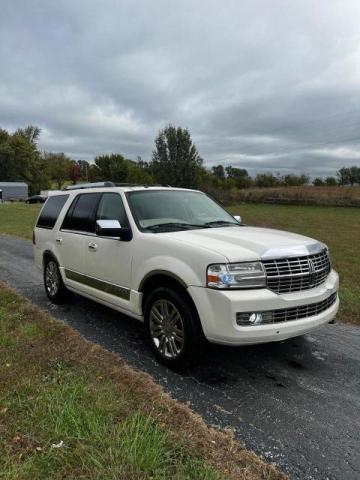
(254, 318)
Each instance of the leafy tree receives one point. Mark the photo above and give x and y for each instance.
(74, 172)
(114, 168)
(20, 158)
(118, 169)
(84, 169)
(7, 166)
(30, 133)
(354, 175)
(58, 165)
(139, 175)
(40, 178)
(331, 181)
(175, 160)
(292, 180)
(234, 172)
(344, 176)
(142, 164)
(93, 173)
(318, 182)
(266, 180)
(219, 172)
(349, 175)
(240, 176)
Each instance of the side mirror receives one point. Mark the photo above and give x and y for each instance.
(112, 228)
(238, 218)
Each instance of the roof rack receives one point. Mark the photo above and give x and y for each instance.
(139, 185)
(89, 185)
(111, 184)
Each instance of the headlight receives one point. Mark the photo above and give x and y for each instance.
(236, 275)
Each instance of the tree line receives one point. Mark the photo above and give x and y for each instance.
(175, 161)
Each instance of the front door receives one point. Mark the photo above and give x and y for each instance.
(108, 260)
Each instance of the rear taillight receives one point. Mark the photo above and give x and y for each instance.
(34, 240)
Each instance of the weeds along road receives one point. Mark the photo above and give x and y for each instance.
(296, 403)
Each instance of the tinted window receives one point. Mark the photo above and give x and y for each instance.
(111, 207)
(51, 210)
(81, 215)
(156, 207)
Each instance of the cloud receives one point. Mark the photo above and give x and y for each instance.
(261, 85)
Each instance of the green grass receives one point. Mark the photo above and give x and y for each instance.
(338, 227)
(108, 420)
(49, 400)
(18, 219)
(65, 405)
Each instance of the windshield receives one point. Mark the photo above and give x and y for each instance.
(167, 210)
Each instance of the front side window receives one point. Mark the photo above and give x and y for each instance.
(81, 215)
(166, 210)
(111, 207)
(51, 211)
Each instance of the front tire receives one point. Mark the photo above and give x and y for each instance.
(54, 286)
(172, 327)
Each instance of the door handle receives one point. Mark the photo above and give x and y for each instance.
(92, 246)
(59, 240)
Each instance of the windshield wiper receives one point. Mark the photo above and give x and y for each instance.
(160, 226)
(222, 223)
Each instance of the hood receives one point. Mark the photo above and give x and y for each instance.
(250, 243)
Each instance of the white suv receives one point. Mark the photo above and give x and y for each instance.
(175, 259)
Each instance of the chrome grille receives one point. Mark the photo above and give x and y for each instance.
(288, 314)
(285, 275)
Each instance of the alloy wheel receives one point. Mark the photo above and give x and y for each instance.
(166, 328)
(52, 278)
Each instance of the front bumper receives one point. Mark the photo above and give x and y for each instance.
(217, 311)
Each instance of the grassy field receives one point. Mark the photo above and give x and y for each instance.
(305, 195)
(69, 409)
(18, 219)
(338, 227)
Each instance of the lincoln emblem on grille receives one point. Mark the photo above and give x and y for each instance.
(295, 274)
(311, 272)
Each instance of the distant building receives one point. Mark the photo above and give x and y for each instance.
(13, 191)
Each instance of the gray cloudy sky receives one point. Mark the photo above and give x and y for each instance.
(260, 84)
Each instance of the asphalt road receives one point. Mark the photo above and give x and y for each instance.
(297, 403)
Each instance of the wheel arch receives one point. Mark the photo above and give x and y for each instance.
(164, 278)
(47, 254)
(160, 274)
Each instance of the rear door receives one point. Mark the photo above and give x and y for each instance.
(108, 260)
(77, 227)
(45, 231)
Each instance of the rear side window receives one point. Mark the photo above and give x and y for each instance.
(81, 215)
(51, 211)
(111, 207)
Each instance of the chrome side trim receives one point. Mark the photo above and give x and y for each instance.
(107, 303)
(88, 234)
(78, 232)
(116, 290)
(293, 251)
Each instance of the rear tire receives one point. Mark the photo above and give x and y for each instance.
(173, 327)
(54, 285)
